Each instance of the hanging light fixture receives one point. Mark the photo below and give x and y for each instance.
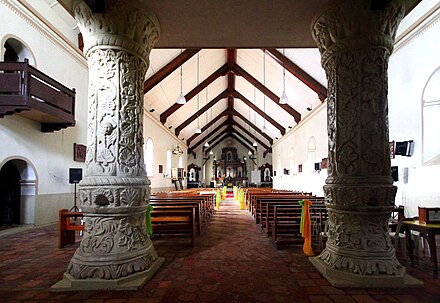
(255, 132)
(264, 129)
(249, 153)
(198, 129)
(206, 143)
(211, 152)
(284, 99)
(181, 99)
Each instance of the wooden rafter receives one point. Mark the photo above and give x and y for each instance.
(222, 71)
(169, 68)
(207, 106)
(225, 123)
(267, 137)
(237, 95)
(222, 114)
(242, 137)
(299, 73)
(249, 134)
(241, 72)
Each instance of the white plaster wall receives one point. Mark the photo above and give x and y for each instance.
(217, 150)
(315, 124)
(50, 153)
(410, 67)
(163, 140)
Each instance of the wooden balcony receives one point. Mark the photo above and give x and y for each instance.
(29, 93)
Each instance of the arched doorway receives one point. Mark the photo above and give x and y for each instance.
(10, 192)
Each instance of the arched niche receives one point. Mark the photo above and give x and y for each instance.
(20, 188)
(431, 122)
(14, 48)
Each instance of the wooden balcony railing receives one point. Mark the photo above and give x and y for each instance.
(26, 91)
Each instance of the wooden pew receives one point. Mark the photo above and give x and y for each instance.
(67, 228)
(259, 211)
(190, 203)
(174, 219)
(286, 225)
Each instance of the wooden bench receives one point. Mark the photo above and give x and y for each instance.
(181, 202)
(286, 225)
(174, 219)
(67, 227)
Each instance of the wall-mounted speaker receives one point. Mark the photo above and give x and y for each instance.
(395, 173)
(317, 166)
(405, 148)
(75, 175)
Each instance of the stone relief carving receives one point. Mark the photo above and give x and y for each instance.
(355, 43)
(114, 193)
(125, 25)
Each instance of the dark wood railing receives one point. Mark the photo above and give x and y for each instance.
(28, 92)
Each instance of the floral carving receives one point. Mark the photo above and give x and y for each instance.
(355, 43)
(130, 196)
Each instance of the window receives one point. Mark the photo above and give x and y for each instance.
(168, 172)
(311, 150)
(180, 162)
(292, 161)
(149, 158)
(431, 123)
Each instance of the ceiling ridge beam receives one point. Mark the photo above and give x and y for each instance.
(237, 114)
(207, 106)
(298, 72)
(165, 71)
(236, 94)
(222, 71)
(239, 71)
(216, 143)
(205, 127)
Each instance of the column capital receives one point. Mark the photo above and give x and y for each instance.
(354, 24)
(125, 25)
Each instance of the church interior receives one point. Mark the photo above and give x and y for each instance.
(219, 151)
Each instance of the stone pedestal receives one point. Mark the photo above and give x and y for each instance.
(115, 252)
(355, 40)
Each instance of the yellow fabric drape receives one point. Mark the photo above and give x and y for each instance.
(224, 193)
(217, 199)
(306, 227)
(241, 199)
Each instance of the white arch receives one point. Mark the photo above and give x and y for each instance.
(311, 150)
(430, 122)
(149, 157)
(21, 48)
(28, 187)
(168, 167)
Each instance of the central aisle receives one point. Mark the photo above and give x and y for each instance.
(233, 260)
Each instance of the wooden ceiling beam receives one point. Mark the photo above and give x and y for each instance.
(225, 123)
(207, 126)
(241, 72)
(212, 145)
(222, 71)
(237, 95)
(267, 137)
(249, 134)
(169, 68)
(201, 111)
(298, 72)
(248, 146)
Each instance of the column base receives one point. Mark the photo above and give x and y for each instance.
(131, 282)
(340, 278)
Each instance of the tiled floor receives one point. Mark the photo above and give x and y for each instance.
(232, 261)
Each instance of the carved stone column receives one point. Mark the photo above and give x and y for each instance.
(115, 252)
(355, 42)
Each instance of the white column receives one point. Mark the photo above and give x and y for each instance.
(355, 40)
(115, 252)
